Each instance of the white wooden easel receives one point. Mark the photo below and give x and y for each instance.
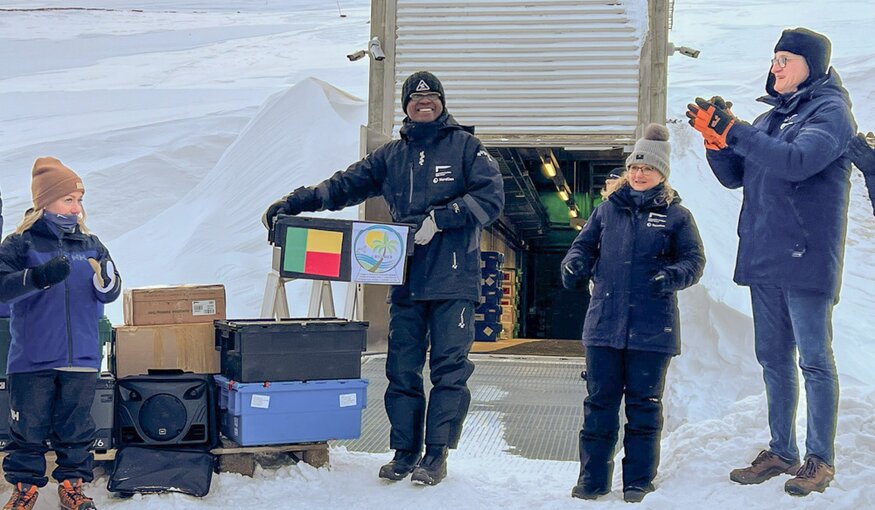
(276, 304)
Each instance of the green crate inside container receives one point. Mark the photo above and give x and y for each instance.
(104, 334)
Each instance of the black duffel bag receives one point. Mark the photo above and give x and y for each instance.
(154, 470)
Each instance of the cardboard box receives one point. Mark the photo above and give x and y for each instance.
(188, 347)
(184, 304)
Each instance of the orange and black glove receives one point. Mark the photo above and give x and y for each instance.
(713, 119)
(713, 144)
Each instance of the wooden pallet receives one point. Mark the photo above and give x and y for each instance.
(234, 458)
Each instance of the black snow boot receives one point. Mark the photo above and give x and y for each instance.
(433, 467)
(400, 466)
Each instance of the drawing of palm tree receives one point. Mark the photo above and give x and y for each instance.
(382, 245)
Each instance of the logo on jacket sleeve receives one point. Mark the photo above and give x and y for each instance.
(656, 220)
(483, 152)
(789, 121)
(443, 173)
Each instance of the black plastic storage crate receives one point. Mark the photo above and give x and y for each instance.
(102, 412)
(259, 350)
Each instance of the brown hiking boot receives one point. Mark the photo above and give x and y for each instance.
(814, 475)
(23, 497)
(71, 497)
(766, 465)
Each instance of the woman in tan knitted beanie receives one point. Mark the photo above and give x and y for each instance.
(56, 276)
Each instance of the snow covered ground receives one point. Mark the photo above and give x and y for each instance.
(186, 118)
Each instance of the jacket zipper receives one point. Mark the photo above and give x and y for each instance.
(410, 198)
(635, 212)
(67, 308)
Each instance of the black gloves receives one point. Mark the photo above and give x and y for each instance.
(661, 283)
(52, 272)
(862, 155)
(275, 209)
(571, 274)
(719, 102)
(301, 200)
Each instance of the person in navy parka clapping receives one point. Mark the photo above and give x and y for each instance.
(793, 166)
(639, 247)
(56, 276)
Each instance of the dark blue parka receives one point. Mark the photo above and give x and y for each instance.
(622, 246)
(4, 308)
(54, 327)
(438, 166)
(793, 166)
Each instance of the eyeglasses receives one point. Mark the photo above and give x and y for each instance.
(644, 169)
(782, 61)
(419, 96)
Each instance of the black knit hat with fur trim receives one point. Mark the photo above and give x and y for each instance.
(815, 48)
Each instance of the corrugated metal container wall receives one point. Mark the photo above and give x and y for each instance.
(536, 70)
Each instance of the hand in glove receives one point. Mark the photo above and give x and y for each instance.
(862, 155)
(52, 272)
(301, 200)
(712, 144)
(275, 209)
(661, 283)
(427, 231)
(104, 274)
(711, 120)
(571, 274)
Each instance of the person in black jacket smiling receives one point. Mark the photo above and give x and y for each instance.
(639, 247)
(439, 176)
(57, 277)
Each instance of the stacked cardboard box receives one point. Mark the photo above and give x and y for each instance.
(169, 327)
(510, 288)
(487, 316)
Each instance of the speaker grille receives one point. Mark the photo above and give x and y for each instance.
(163, 417)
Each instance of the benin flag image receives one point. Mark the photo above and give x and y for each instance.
(311, 251)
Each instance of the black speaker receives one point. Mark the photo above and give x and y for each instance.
(166, 409)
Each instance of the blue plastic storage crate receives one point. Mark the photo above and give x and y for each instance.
(486, 331)
(291, 412)
(488, 308)
(491, 260)
(492, 279)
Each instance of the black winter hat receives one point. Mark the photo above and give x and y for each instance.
(616, 173)
(421, 81)
(815, 47)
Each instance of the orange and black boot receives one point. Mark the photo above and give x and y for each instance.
(23, 497)
(71, 497)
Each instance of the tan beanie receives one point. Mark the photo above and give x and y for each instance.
(52, 181)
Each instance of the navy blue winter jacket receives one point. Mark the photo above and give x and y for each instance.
(438, 166)
(4, 308)
(793, 166)
(622, 246)
(54, 327)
